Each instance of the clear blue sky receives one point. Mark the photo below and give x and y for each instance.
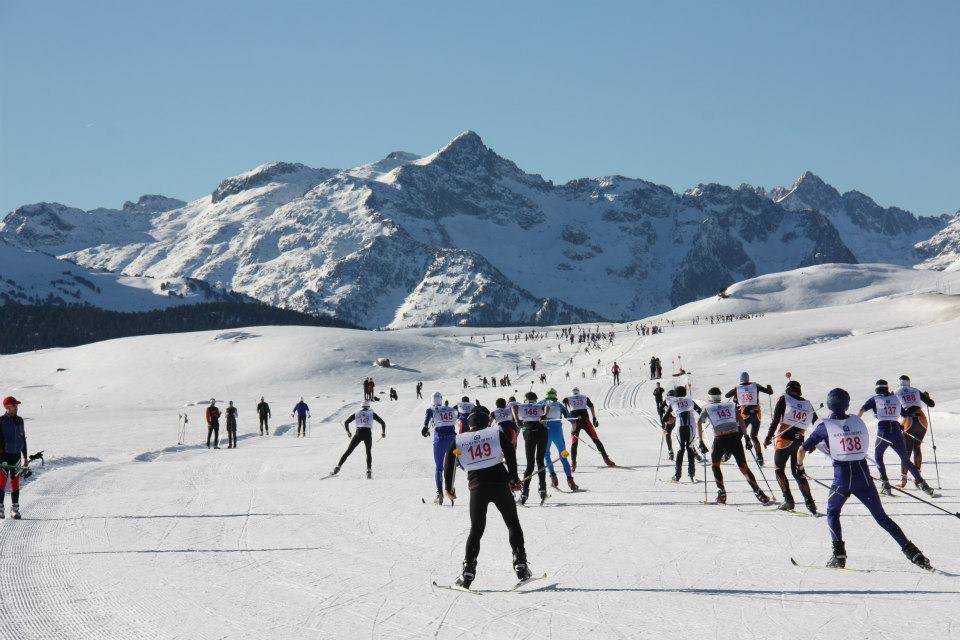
(103, 101)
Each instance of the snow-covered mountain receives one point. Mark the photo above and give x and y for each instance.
(873, 233)
(942, 251)
(30, 277)
(464, 236)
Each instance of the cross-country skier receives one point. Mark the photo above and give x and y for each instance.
(419, 389)
(503, 416)
(886, 407)
(528, 416)
(793, 415)
(554, 414)
(580, 408)
(846, 440)
(727, 429)
(747, 396)
(263, 412)
(302, 412)
(658, 392)
(364, 427)
(212, 415)
(668, 421)
(682, 409)
(483, 451)
(444, 420)
(13, 444)
(914, 422)
(231, 425)
(464, 407)
(615, 370)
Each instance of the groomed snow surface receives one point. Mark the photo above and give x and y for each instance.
(127, 535)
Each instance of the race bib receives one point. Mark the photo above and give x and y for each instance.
(444, 417)
(747, 394)
(479, 449)
(886, 408)
(723, 418)
(530, 412)
(363, 419)
(848, 438)
(503, 415)
(797, 413)
(577, 402)
(909, 397)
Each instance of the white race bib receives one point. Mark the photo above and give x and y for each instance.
(909, 397)
(553, 410)
(363, 419)
(848, 438)
(747, 394)
(530, 412)
(723, 418)
(466, 407)
(503, 415)
(578, 402)
(886, 408)
(681, 406)
(479, 449)
(444, 417)
(797, 413)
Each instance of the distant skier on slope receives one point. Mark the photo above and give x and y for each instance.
(914, 422)
(302, 412)
(580, 408)
(212, 415)
(231, 425)
(886, 408)
(444, 420)
(364, 428)
(792, 415)
(503, 416)
(682, 408)
(13, 445)
(658, 392)
(554, 414)
(747, 396)
(483, 451)
(846, 440)
(615, 370)
(263, 412)
(727, 429)
(669, 421)
(528, 416)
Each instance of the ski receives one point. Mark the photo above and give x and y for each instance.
(528, 581)
(328, 476)
(817, 566)
(544, 499)
(778, 510)
(453, 587)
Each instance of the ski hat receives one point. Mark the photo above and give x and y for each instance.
(479, 419)
(501, 403)
(512, 399)
(213, 401)
(576, 391)
(882, 386)
(365, 404)
(793, 387)
(744, 377)
(838, 401)
(680, 392)
(530, 396)
(465, 399)
(10, 400)
(551, 394)
(904, 380)
(671, 393)
(437, 398)
(714, 394)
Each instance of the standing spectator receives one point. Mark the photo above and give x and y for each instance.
(231, 426)
(213, 424)
(263, 411)
(302, 412)
(419, 389)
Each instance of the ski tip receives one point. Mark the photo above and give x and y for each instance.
(425, 502)
(794, 562)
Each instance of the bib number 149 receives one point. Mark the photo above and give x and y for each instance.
(480, 451)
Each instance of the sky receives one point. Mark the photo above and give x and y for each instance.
(103, 101)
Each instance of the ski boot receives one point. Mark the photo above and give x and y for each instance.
(839, 558)
(676, 477)
(336, 470)
(3, 511)
(609, 462)
(523, 571)
(721, 497)
(786, 505)
(573, 467)
(554, 481)
(671, 456)
(692, 479)
(570, 483)
(524, 497)
(465, 579)
(811, 506)
(885, 488)
(903, 481)
(926, 488)
(726, 457)
(369, 474)
(543, 495)
(15, 514)
(913, 555)
(759, 459)
(761, 496)
(439, 499)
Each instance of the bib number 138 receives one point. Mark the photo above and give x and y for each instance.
(850, 445)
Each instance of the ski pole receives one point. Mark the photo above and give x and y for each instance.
(933, 442)
(706, 499)
(760, 469)
(663, 436)
(543, 468)
(906, 493)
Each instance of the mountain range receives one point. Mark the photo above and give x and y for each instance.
(464, 236)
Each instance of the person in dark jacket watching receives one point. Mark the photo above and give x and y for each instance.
(13, 444)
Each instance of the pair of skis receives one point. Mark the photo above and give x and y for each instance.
(799, 565)
(515, 588)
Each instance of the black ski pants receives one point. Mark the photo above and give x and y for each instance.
(535, 446)
(501, 497)
(360, 435)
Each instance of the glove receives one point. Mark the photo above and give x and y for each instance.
(596, 422)
(516, 485)
(766, 442)
(748, 443)
(383, 435)
(703, 448)
(425, 432)
(801, 472)
(349, 435)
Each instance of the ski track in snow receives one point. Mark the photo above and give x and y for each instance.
(150, 540)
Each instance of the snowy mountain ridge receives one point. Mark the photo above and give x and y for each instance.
(464, 236)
